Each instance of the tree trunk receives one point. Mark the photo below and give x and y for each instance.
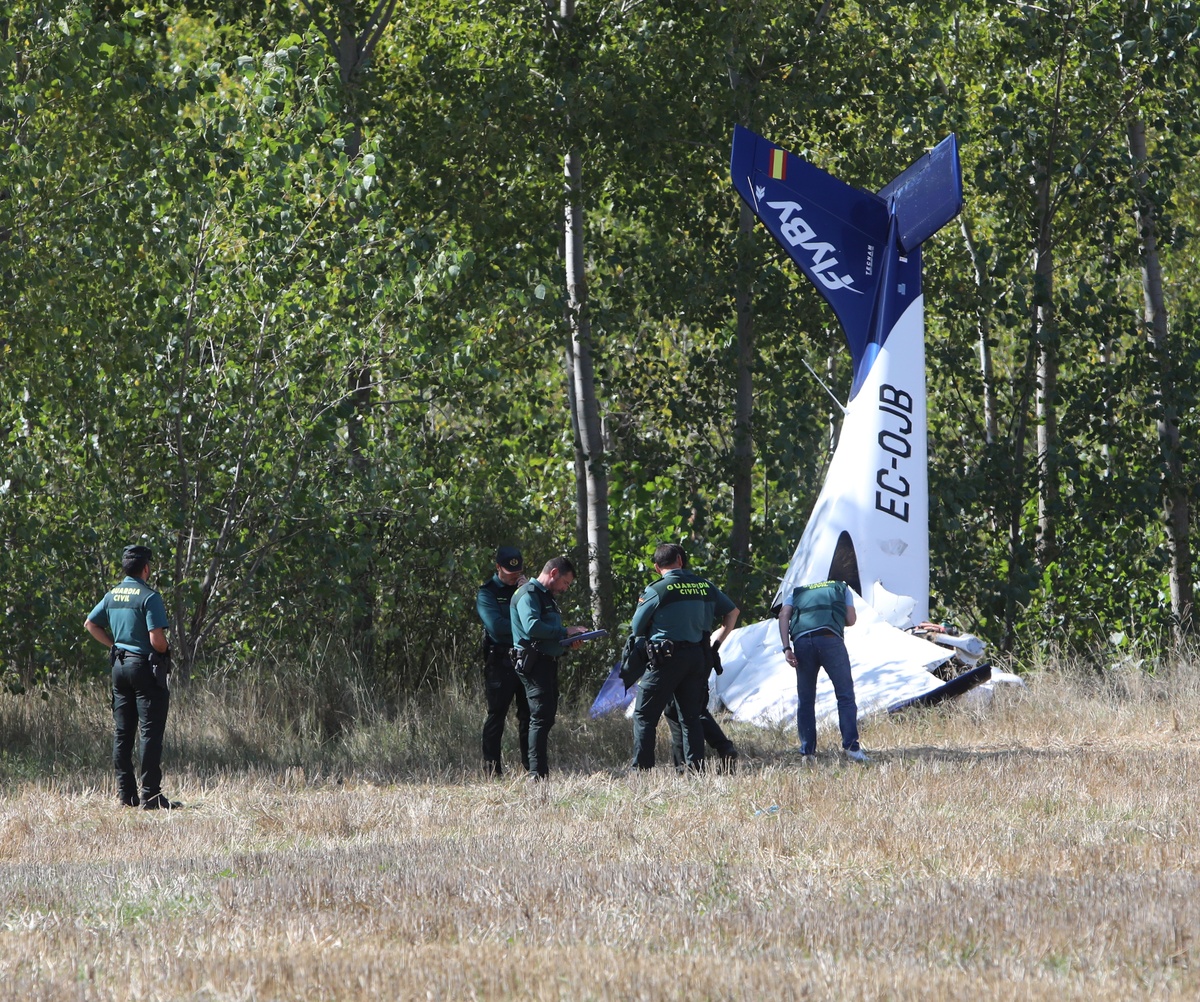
(1174, 487)
(590, 463)
(744, 69)
(743, 414)
(581, 487)
(1046, 336)
(582, 547)
(990, 423)
(586, 407)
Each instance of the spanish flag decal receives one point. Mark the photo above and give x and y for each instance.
(779, 164)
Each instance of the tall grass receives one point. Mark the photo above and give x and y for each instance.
(1042, 847)
(269, 727)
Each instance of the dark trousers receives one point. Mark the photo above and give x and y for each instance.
(502, 689)
(539, 676)
(140, 706)
(682, 678)
(714, 737)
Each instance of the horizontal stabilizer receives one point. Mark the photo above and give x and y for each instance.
(955, 687)
(927, 195)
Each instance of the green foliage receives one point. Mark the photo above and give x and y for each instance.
(302, 333)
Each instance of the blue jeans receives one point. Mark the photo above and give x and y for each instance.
(812, 654)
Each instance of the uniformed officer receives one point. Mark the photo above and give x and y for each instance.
(674, 614)
(131, 621)
(502, 688)
(811, 625)
(714, 737)
(540, 640)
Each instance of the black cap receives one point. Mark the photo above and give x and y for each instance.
(137, 553)
(509, 557)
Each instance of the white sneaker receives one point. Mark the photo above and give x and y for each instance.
(857, 755)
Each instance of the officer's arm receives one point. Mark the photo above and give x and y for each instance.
(518, 614)
(99, 634)
(728, 622)
(541, 630)
(851, 612)
(529, 615)
(639, 626)
(156, 623)
(489, 612)
(785, 622)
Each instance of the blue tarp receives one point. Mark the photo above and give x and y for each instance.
(612, 695)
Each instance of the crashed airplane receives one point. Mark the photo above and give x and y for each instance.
(870, 525)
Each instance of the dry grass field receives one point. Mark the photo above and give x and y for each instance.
(1045, 848)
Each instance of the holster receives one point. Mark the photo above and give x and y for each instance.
(160, 665)
(714, 655)
(495, 656)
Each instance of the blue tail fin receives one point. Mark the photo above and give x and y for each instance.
(835, 233)
(860, 250)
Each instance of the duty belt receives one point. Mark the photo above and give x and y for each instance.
(524, 655)
(660, 650)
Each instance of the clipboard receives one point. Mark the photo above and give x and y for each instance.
(590, 635)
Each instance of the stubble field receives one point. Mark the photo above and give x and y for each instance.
(1045, 848)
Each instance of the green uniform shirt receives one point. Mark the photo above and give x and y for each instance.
(129, 612)
(819, 606)
(679, 606)
(536, 621)
(494, 605)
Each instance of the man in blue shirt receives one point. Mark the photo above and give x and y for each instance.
(131, 621)
(502, 688)
(675, 614)
(811, 625)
